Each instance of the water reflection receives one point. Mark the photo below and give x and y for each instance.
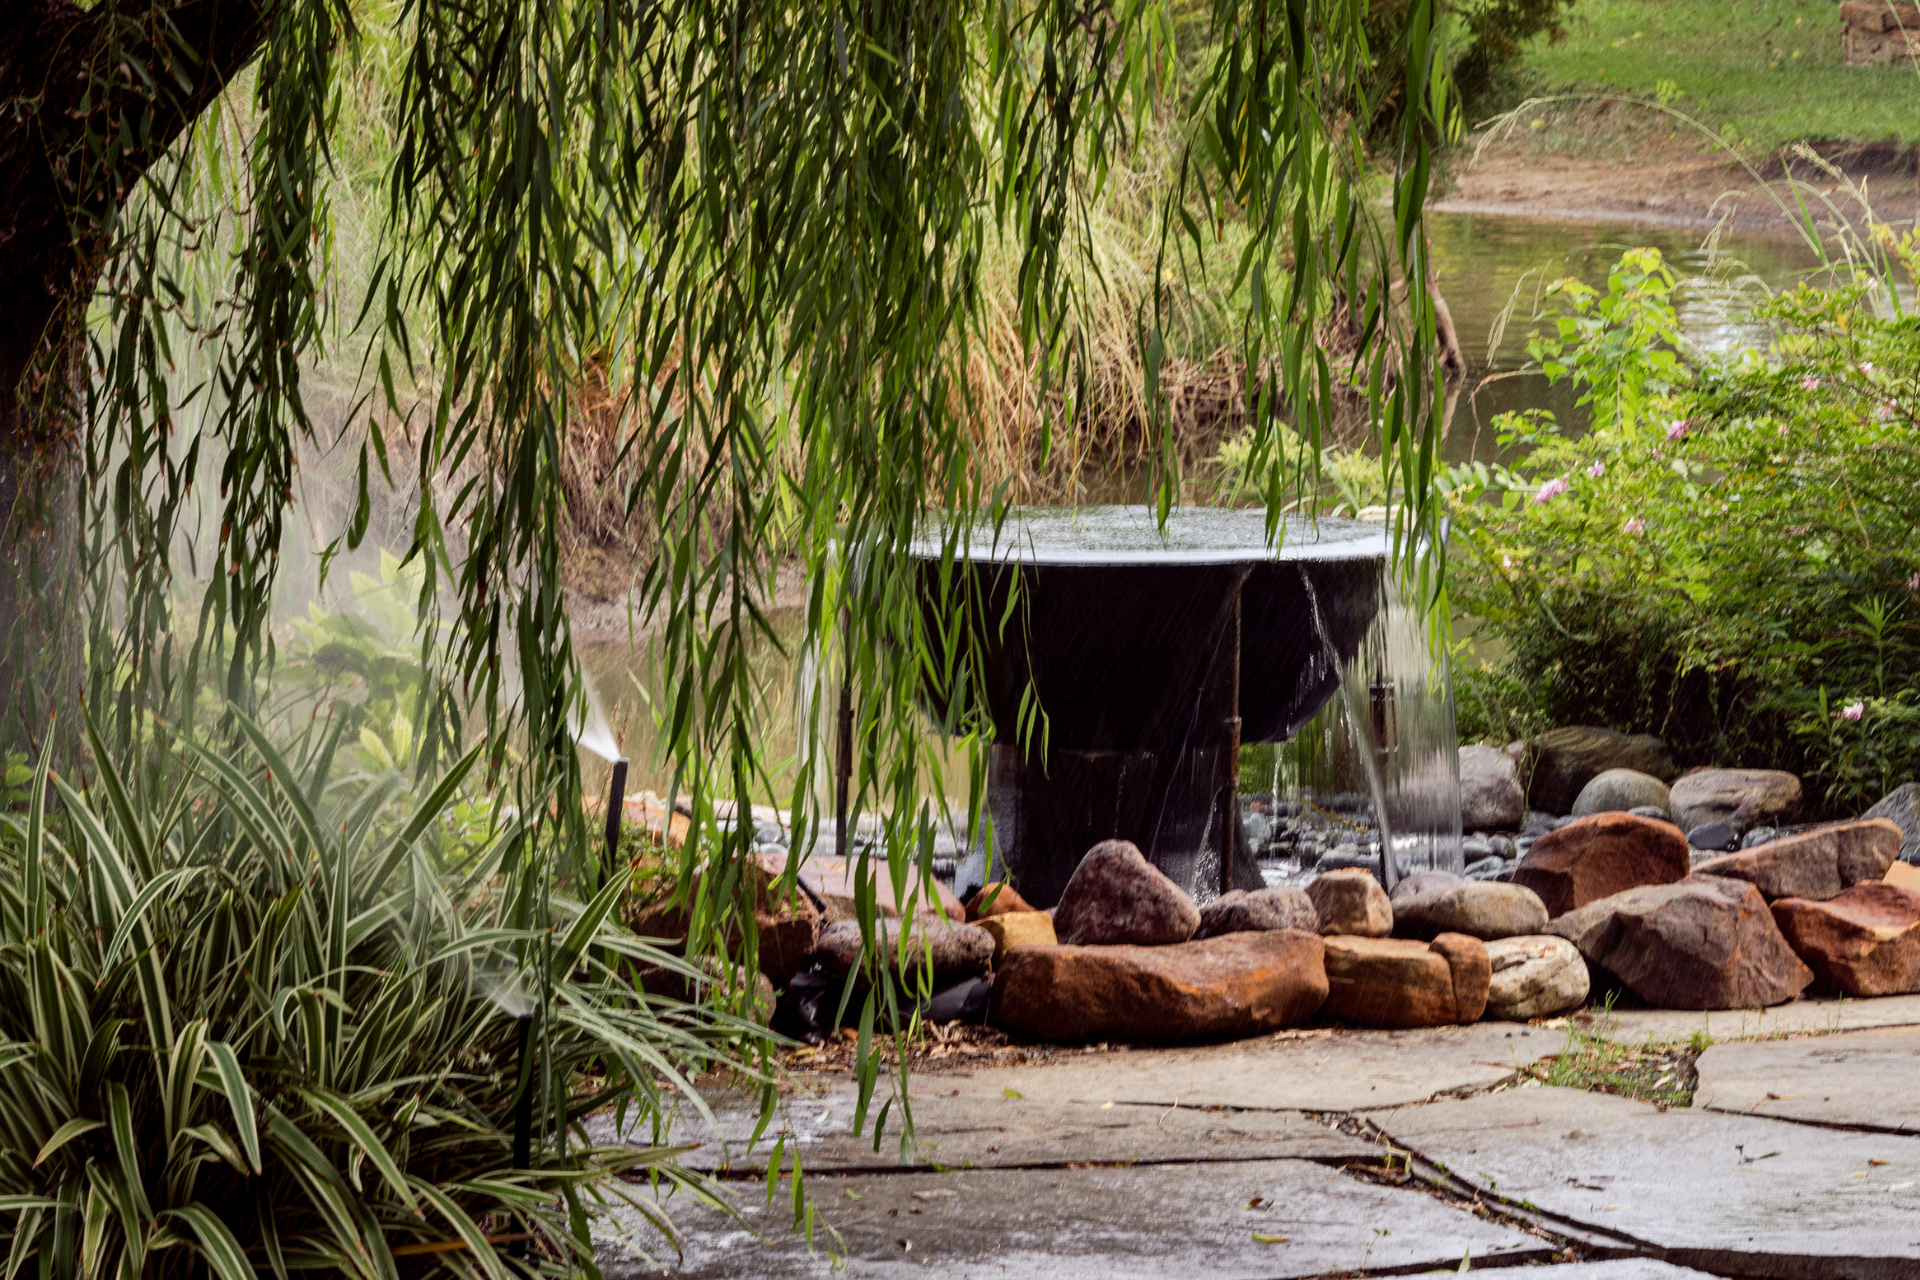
(1493, 271)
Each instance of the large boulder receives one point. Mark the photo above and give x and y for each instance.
(1484, 910)
(1238, 984)
(1621, 791)
(995, 899)
(1350, 901)
(1566, 759)
(1597, 857)
(1704, 943)
(1818, 864)
(1241, 911)
(1535, 977)
(1398, 983)
(1018, 929)
(1491, 798)
(1865, 942)
(952, 948)
(1901, 806)
(1115, 897)
(1741, 798)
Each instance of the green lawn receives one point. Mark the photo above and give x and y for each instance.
(1769, 70)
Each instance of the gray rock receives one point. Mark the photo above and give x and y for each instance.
(1741, 798)
(1275, 907)
(1484, 911)
(1487, 869)
(1490, 794)
(1502, 847)
(1651, 811)
(1566, 759)
(955, 949)
(1116, 897)
(1901, 806)
(1537, 823)
(1419, 882)
(1714, 837)
(1703, 943)
(1535, 977)
(1475, 847)
(1351, 902)
(1621, 791)
(1759, 835)
(1350, 857)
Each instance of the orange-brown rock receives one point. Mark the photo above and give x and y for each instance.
(1818, 864)
(1396, 982)
(1597, 857)
(1865, 942)
(996, 899)
(1018, 929)
(1704, 943)
(1238, 984)
(1351, 902)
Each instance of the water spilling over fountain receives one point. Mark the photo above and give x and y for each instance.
(1155, 655)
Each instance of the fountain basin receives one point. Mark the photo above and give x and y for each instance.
(1141, 647)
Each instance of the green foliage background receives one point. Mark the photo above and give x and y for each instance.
(1727, 559)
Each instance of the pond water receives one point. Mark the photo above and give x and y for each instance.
(1494, 272)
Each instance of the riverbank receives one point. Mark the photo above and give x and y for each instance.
(1610, 161)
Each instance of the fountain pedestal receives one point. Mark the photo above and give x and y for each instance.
(1106, 654)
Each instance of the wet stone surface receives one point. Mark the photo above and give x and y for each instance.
(1864, 1079)
(1256, 1219)
(1737, 1195)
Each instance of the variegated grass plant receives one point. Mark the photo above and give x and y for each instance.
(259, 1020)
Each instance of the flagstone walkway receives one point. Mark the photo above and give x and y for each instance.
(1361, 1153)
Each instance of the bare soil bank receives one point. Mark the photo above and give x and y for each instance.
(1673, 182)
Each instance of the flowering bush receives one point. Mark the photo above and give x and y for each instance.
(1727, 558)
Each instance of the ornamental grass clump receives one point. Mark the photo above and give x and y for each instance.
(1727, 557)
(259, 1020)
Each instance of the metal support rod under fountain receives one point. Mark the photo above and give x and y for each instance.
(1230, 741)
(843, 771)
(523, 1110)
(616, 806)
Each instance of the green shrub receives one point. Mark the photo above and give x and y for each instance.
(1727, 560)
(261, 1022)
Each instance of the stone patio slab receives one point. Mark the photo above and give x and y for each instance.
(955, 1130)
(1250, 1221)
(1826, 1015)
(1326, 1070)
(1736, 1195)
(1863, 1079)
(1617, 1269)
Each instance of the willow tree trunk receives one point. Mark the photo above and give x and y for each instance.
(77, 131)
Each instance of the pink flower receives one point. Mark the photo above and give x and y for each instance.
(1853, 711)
(1678, 430)
(1636, 526)
(1506, 562)
(1597, 470)
(1551, 490)
(1913, 583)
(1811, 383)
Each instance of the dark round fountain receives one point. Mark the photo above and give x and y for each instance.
(1153, 655)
